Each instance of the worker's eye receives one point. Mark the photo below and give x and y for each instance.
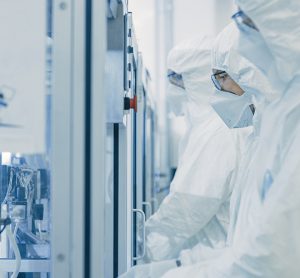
(222, 76)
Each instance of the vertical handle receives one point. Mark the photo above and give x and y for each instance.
(155, 203)
(139, 211)
(149, 205)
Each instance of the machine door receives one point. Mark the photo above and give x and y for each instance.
(25, 158)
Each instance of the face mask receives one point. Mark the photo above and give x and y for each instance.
(177, 99)
(252, 46)
(232, 109)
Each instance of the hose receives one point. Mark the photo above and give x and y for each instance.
(15, 248)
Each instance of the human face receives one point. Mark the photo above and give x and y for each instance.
(224, 82)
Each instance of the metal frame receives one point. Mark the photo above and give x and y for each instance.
(125, 215)
(77, 153)
(61, 138)
(42, 266)
(98, 139)
(78, 176)
(140, 135)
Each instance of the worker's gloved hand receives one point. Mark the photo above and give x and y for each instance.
(153, 270)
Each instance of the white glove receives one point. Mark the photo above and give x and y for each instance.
(153, 270)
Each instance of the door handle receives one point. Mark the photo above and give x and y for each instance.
(139, 211)
(149, 205)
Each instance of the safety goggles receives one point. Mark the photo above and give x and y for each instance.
(241, 19)
(175, 79)
(217, 77)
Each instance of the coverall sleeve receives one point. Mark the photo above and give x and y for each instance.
(204, 184)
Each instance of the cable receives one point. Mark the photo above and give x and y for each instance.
(40, 228)
(1, 231)
(16, 229)
(4, 222)
(10, 185)
(16, 251)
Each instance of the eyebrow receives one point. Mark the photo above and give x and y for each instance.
(219, 72)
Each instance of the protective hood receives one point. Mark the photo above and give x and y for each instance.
(226, 56)
(191, 59)
(279, 24)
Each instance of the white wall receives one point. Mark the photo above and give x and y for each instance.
(194, 17)
(144, 24)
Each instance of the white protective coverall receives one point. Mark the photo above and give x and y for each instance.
(199, 193)
(266, 240)
(252, 80)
